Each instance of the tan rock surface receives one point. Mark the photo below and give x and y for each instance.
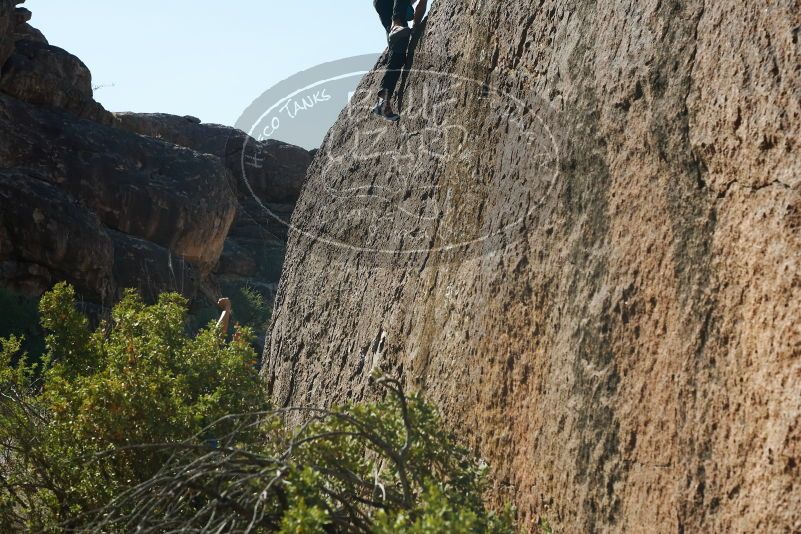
(622, 343)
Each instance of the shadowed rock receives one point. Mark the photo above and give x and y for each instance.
(150, 268)
(172, 196)
(46, 75)
(282, 167)
(28, 32)
(7, 25)
(254, 250)
(167, 190)
(47, 236)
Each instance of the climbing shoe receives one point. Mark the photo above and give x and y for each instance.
(383, 111)
(397, 36)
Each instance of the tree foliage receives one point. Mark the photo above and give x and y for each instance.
(139, 426)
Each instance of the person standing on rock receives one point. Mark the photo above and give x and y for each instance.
(225, 317)
(395, 16)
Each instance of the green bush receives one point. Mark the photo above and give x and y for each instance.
(385, 467)
(250, 308)
(138, 426)
(81, 426)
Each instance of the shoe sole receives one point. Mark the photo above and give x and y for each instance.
(393, 118)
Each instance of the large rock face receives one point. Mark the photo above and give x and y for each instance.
(56, 166)
(582, 242)
(45, 236)
(34, 71)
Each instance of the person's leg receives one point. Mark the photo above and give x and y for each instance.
(395, 64)
(395, 61)
(384, 9)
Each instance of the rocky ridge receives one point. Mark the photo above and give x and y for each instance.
(109, 201)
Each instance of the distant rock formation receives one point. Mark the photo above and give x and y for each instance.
(583, 242)
(282, 169)
(46, 75)
(254, 249)
(109, 201)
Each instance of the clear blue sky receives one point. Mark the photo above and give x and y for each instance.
(199, 57)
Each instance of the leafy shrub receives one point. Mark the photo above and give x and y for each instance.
(385, 467)
(137, 426)
(81, 427)
(250, 308)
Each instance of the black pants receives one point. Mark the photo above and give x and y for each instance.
(397, 53)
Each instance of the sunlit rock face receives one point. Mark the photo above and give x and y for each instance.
(583, 242)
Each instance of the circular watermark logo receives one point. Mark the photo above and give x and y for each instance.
(462, 172)
(301, 109)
